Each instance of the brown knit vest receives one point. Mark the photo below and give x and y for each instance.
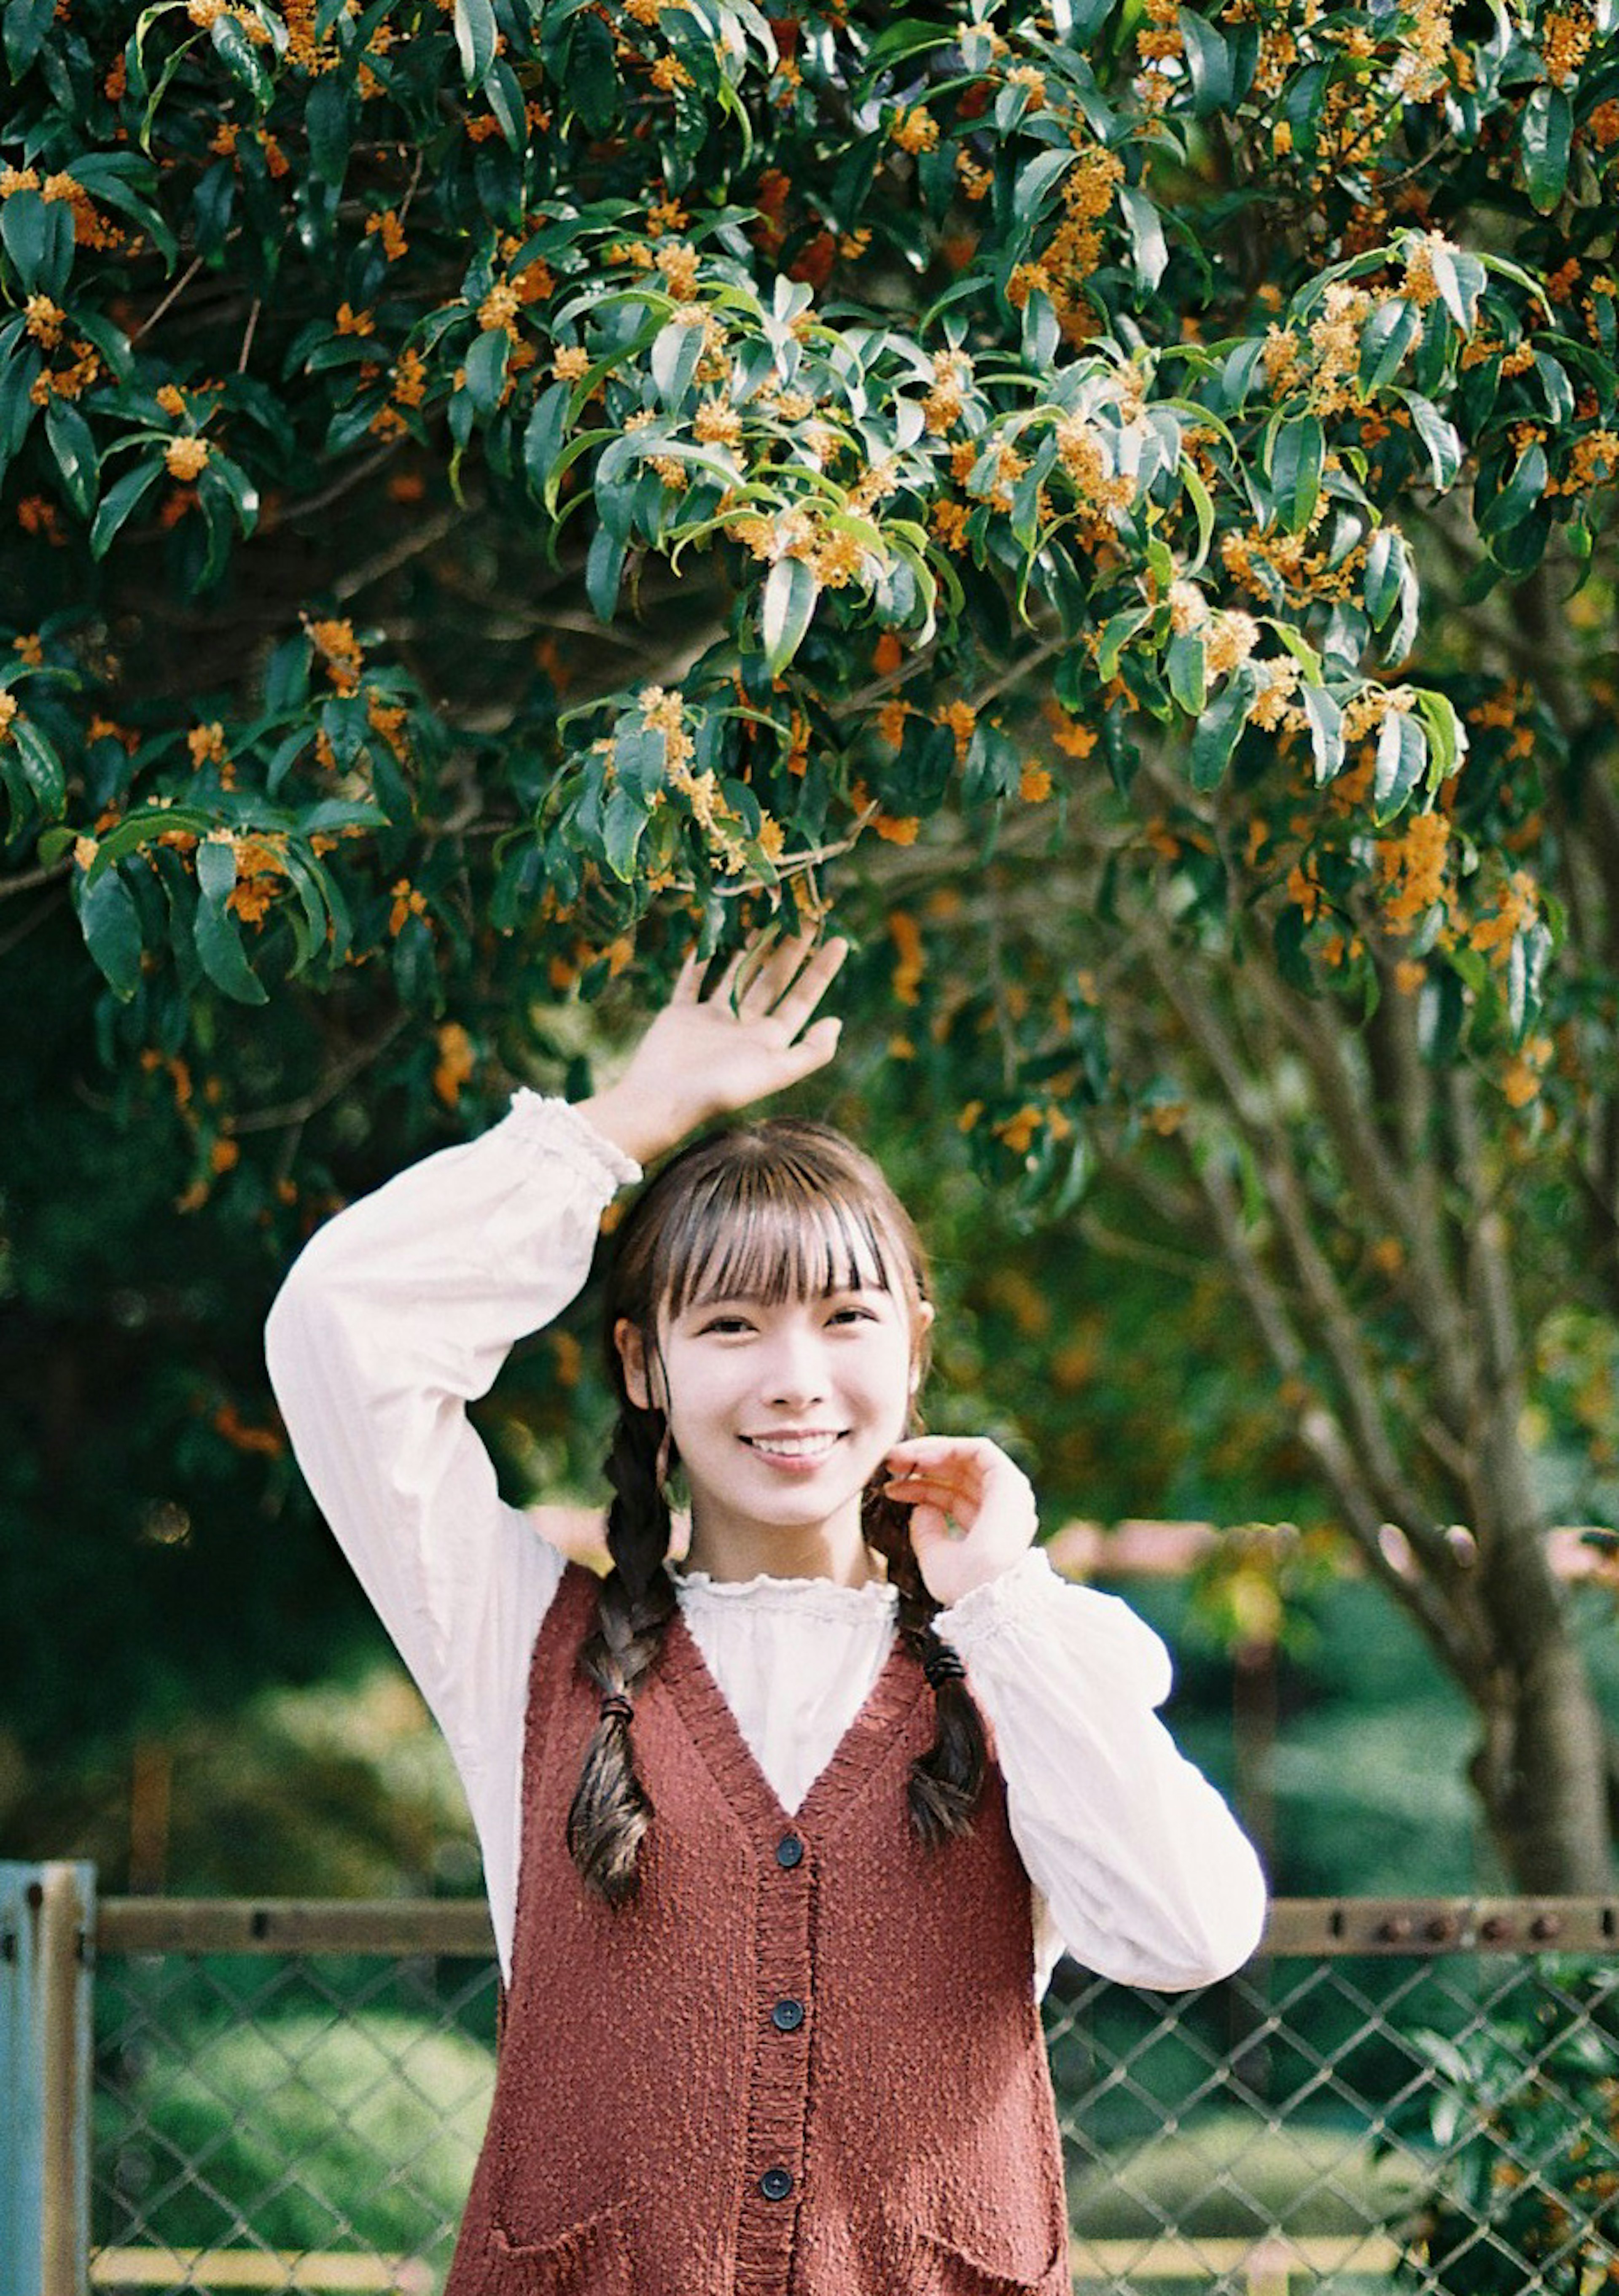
(806, 2060)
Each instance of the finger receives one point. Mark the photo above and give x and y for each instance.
(812, 983)
(724, 991)
(688, 981)
(816, 1047)
(778, 965)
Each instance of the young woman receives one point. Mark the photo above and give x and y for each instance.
(781, 1846)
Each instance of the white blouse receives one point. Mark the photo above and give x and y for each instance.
(402, 1308)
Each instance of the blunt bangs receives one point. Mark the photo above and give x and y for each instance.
(774, 1233)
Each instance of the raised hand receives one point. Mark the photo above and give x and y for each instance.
(967, 1480)
(711, 1051)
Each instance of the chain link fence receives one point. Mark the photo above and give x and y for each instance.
(1422, 2096)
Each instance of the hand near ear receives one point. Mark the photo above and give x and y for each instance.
(967, 1480)
(713, 1051)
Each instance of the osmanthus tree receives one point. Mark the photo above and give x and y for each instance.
(495, 491)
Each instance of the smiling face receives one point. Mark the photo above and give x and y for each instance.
(786, 1348)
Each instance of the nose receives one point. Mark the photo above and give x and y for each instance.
(796, 1373)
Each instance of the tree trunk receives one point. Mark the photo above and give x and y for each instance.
(1541, 1769)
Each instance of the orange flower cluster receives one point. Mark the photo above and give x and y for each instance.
(499, 309)
(337, 640)
(408, 901)
(946, 403)
(186, 458)
(678, 262)
(1412, 870)
(1083, 455)
(1517, 907)
(916, 130)
(260, 874)
(206, 746)
(911, 958)
(1565, 37)
(387, 225)
(1422, 68)
(455, 1063)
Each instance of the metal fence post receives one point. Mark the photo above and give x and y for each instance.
(46, 1923)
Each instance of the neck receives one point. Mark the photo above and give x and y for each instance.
(738, 1552)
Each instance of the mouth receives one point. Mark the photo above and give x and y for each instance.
(795, 1444)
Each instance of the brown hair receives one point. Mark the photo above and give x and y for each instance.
(775, 1210)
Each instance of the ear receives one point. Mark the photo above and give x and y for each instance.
(633, 1356)
(924, 1324)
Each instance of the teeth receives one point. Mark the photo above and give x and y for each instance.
(791, 1446)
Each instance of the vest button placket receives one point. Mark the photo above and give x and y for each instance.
(778, 2103)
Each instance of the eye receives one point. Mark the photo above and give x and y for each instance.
(724, 1325)
(852, 1316)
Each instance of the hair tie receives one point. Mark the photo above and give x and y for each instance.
(943, 1665)
(616, 1707)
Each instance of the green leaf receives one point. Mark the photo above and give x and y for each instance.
(119, 502)
(1220, 727)
(788, 603)
(241, 58)
(1385, 559)
(1298, 453)
(603, 572)
(1186, 667)
(1325, 718)
(71, 442)
(27, 22)
(1203, 506)
(42, 768)
(623, 824)
(1518, 497)
(329, 123)
(1116, 634)
(1402, 754)
(215, 930)
(228, 479)
(542, 437)
(1208, 60)
(1437, 436)
(1447, 734)
(1387, 335)
(476, 32)
(485, 365)
(503, 94)
(1547, 134)
(592, 85)
(1035, 179)
(676, 354)
(1553, 378)
(1145, 229)
(1460, 279)
(37, 234)
(111, 927)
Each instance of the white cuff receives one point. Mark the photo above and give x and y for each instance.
(985, 1611)
(556, 1128)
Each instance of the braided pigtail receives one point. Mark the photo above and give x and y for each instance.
(946, 1781)
(611, 1809)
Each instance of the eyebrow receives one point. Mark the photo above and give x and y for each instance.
(861, 1291)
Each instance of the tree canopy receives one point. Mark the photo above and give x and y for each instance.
(1111, 496)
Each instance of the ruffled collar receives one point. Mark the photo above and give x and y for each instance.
(797, 1594)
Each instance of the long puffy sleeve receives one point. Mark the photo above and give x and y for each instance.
(396, 1315)
(1145, 1875)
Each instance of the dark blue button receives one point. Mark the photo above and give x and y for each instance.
(787, 2016)
(789, 1851)
(776, 2183)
